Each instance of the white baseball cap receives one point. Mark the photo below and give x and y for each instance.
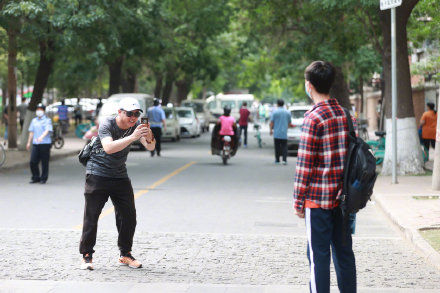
(129, 104)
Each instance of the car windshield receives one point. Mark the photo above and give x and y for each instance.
(198, 107)
(230, 104)
(298, 114)
(184, 113)
(168, 113)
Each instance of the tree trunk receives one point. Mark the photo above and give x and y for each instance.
(158, 87)
(115, 70)
(339, 90)
(183, 89)
(129, 81)
(361, 92)
(47, 59)
(12, 86)
(4, 93)
(168, 88)
(409, 156)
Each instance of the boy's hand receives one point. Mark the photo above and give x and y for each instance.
(299, 214)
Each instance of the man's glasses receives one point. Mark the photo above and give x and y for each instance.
(131, 113)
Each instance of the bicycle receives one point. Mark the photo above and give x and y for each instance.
(378, 148)
(57, 136)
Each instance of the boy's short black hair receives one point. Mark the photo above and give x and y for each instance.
(430, 105)
(321, 74)
(280, 103)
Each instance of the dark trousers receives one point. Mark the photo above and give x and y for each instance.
(244, 128)
(427, 142)
(280, 149)
(324, 230)
(157, 132)
(40, 152)
(97, 191)
(21, 124)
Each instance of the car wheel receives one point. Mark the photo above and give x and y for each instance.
(178, 138)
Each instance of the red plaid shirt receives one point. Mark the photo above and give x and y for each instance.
(321, 156)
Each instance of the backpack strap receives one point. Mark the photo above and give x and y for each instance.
(350, 122)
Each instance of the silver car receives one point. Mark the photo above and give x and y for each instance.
(172, 122)
(294, 133)
(189, 124)
(201, 109)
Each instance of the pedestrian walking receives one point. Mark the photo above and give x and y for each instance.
(243, 122)
(319, 180)
(428, 123)
(106, 176)
(280, 120)
(77, 114)
(156, 116)
(63, 117)
(22, 108)
(40, 131)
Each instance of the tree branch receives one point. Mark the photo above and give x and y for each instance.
(375, 37)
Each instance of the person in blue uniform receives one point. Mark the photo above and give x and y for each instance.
(40, 131)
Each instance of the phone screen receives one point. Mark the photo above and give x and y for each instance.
(144, 120)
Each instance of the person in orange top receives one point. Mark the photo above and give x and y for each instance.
(428, 122)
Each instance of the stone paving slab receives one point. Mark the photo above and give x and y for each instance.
(107, 287)
(223, 259)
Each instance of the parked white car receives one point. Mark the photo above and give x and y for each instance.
(189, 124)
(172, 122)
(294, 133)
(201, 109)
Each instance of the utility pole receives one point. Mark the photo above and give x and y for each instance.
(384, 5)
(436, 169)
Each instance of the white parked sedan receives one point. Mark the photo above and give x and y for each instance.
(173, 126)
(189, 124)
(294, 133)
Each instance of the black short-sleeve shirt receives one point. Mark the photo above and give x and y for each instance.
(109, 165)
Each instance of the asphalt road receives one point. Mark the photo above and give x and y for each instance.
(198, 221)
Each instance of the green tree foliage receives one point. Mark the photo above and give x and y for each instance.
(424, 29)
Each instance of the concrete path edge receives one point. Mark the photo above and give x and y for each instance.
(53, 157)
(411, 234)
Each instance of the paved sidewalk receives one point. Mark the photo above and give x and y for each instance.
(109, 287)
(408, 213)
(18, 159)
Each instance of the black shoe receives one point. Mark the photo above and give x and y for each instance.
(158, 154)
(34, 181)
(43, 182)
(152, 154)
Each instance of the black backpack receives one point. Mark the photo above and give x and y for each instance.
(359, 173)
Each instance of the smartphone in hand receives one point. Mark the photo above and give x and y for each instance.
(144, 120)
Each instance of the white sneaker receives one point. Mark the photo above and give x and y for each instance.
(129, 260)
(86, 263)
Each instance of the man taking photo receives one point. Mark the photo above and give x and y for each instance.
(106, 176)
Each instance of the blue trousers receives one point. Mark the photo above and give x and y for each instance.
(40, 152)
(324, 235)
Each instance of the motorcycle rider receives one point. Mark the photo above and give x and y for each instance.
(227, 123)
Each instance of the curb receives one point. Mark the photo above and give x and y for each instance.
(413, 235)
(53, 157)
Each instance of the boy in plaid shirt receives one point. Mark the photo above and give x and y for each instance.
(318, 182)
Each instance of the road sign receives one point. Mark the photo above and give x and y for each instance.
(387, 4)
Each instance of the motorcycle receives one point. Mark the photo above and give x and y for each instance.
(224, 146)
(226, 151)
